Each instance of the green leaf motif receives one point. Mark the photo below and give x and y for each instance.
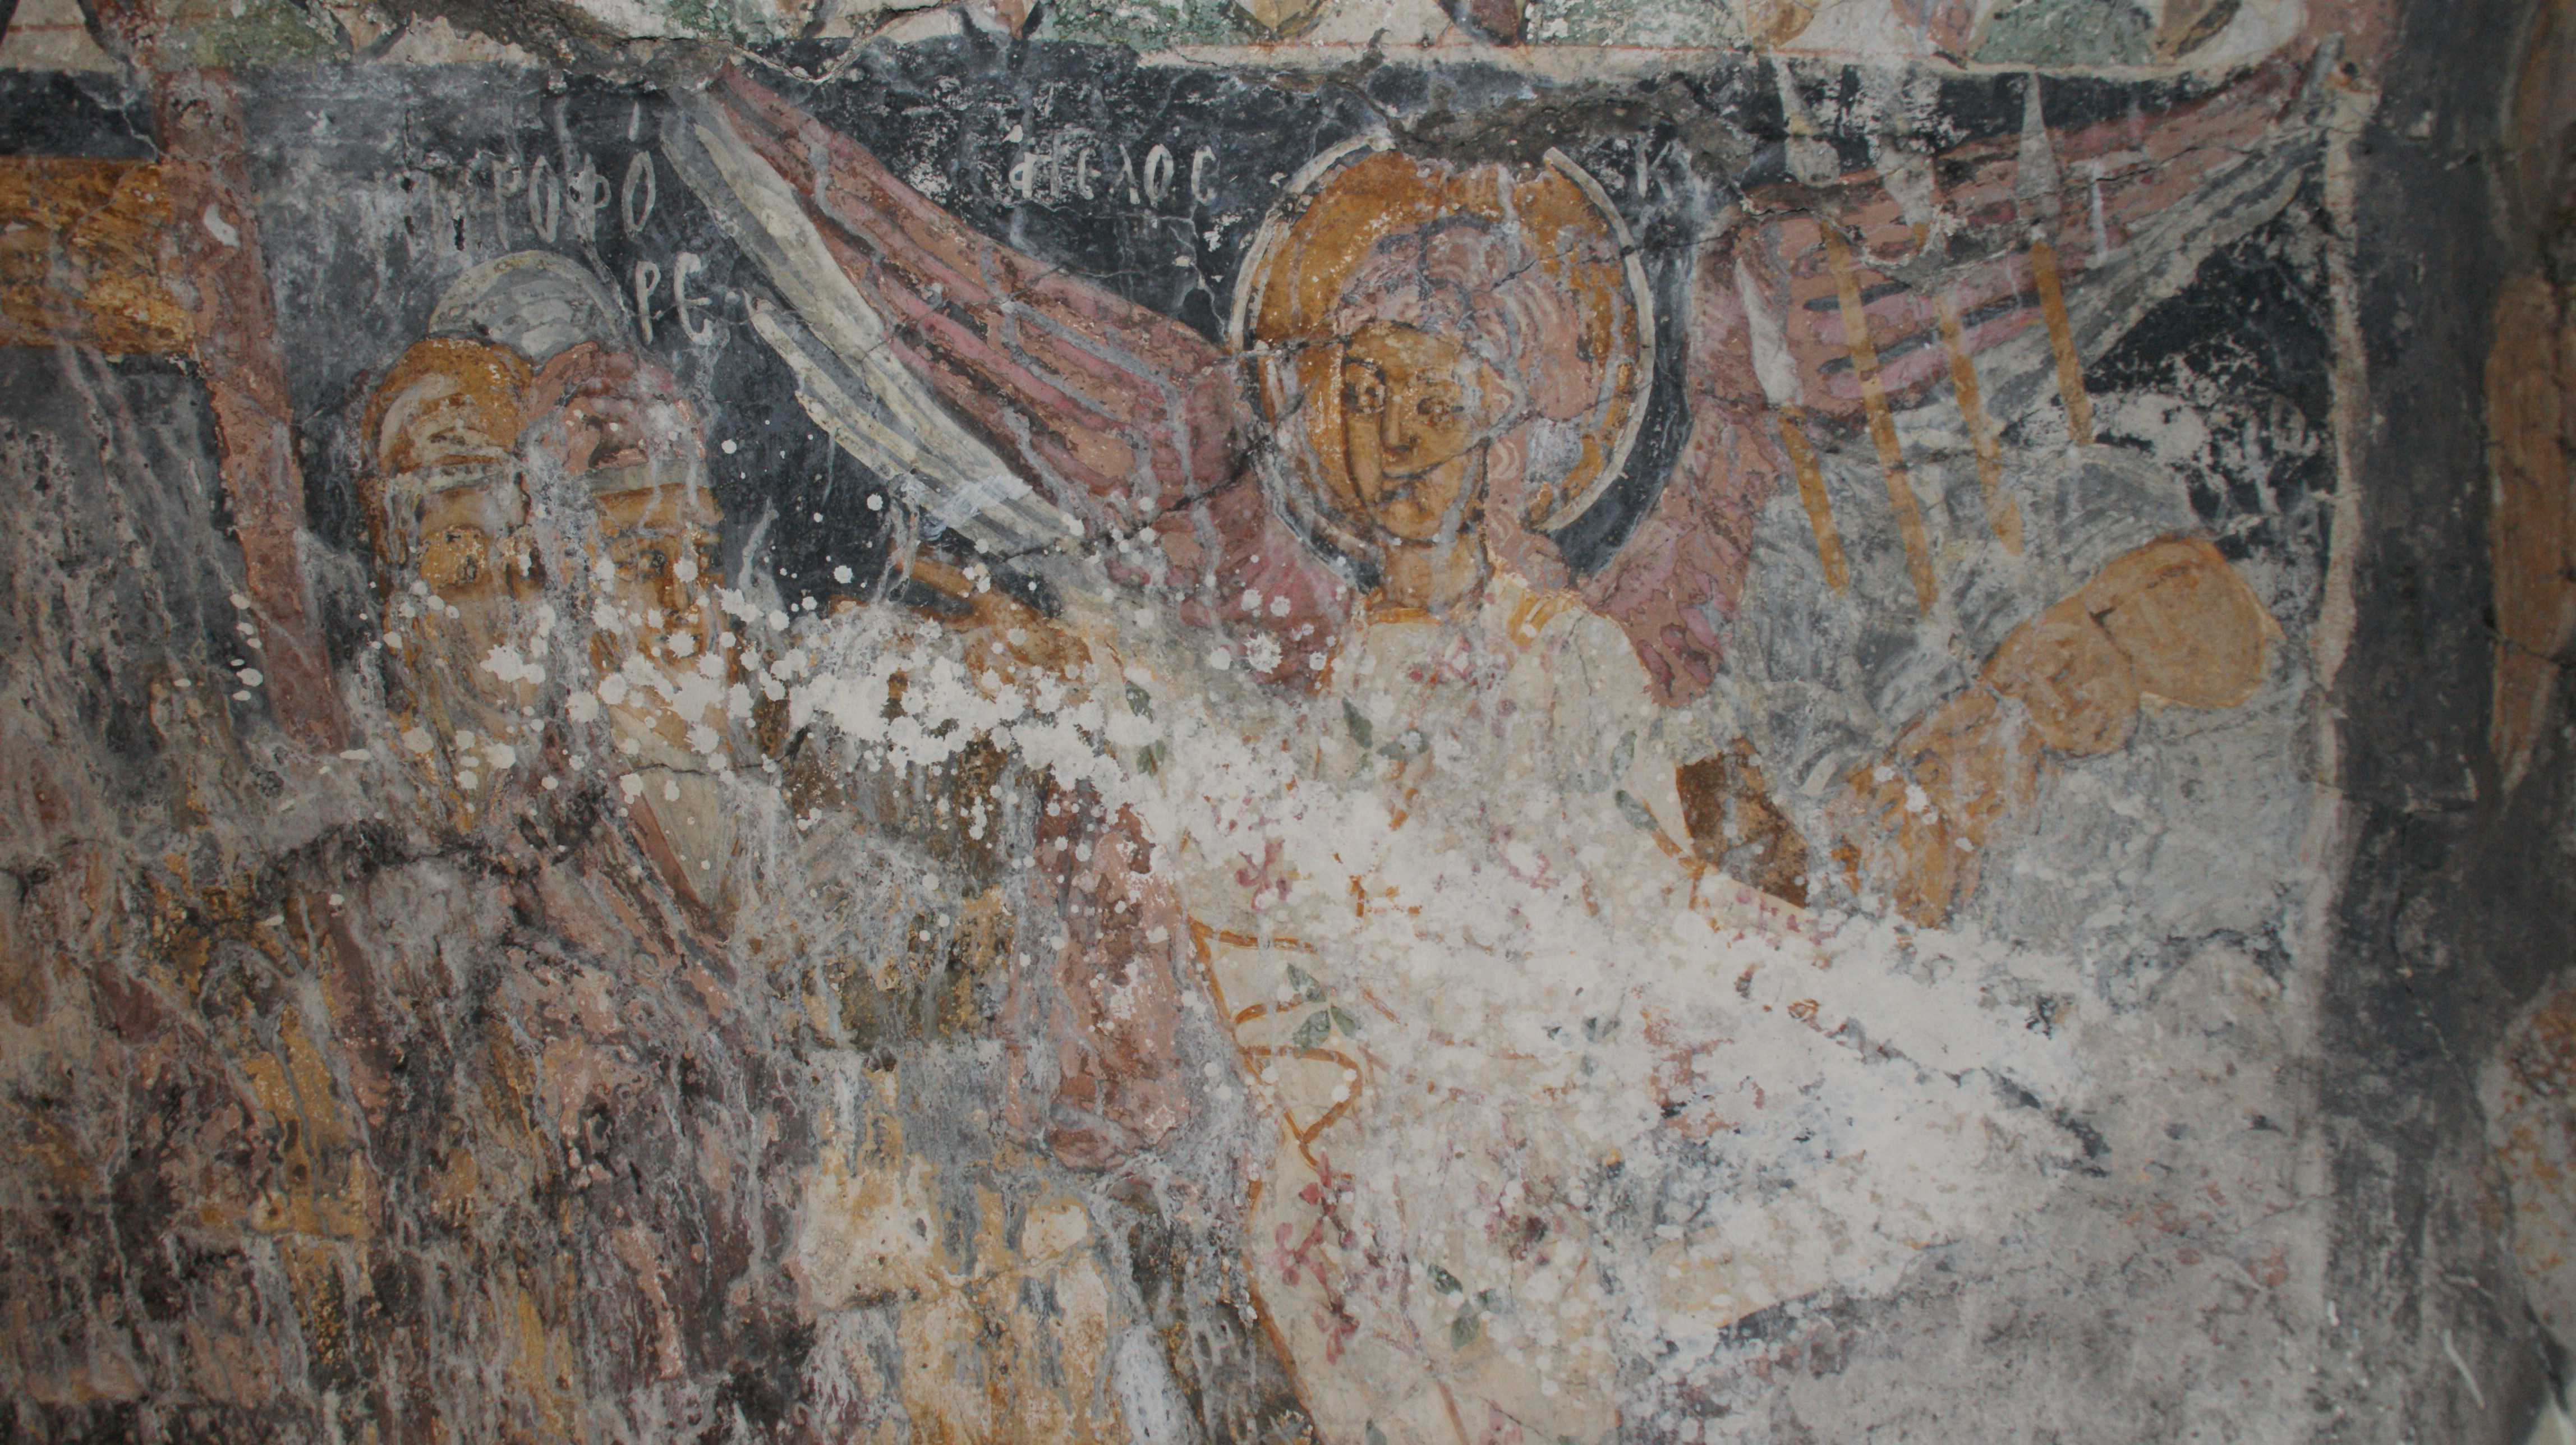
(1139, 701)
(1623, 755)
(1462, 1330)
(1445, 1282)
(1349, 1026)
(1149, 759)
(1408, 745)
(1312, 1033)
(1636, 812)
(1373, 1435)
(1304, 982)
(1357, 721)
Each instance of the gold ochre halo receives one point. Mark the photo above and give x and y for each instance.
(1327, 221)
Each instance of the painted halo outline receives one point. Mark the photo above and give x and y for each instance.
(1323, 524)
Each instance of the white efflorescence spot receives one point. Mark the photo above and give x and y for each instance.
(356, 755)
(686, 569)
(506, 663)
(670, 790)
(251, 677)
(1220, 658)
(418, 740)
(631, 785)
(876, 502)
(582, 707)
(841, 575)
(778, 620)
(729, 448)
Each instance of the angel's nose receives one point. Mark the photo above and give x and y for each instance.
(1395, 433)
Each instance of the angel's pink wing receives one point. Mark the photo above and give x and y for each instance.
(1985, 277)
(1121, 417)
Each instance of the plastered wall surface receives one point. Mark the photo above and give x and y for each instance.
(1347, 722)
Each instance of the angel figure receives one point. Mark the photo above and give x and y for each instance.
(1420, 811)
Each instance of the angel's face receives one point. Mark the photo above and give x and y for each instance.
(1417, 410)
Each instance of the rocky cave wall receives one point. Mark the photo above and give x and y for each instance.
(1305, 720)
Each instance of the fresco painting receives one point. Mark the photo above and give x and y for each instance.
(1150, 721)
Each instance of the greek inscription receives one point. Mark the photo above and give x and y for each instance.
(545, 200)
(635, 199)
(698, 328)
(647, 276)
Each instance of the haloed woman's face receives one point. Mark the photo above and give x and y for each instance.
(660, 645)
(1416, 412)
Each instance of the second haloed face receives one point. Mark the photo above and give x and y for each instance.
(625, 441)
(665, 659)
(1416, 409)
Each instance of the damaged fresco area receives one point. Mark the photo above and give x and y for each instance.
(770, 722)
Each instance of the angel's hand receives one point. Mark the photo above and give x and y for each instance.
(1003, 635)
